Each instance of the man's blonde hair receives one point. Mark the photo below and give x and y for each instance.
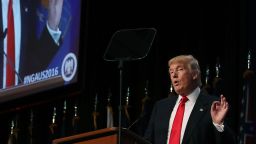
(191, 62)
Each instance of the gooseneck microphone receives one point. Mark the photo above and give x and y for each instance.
(136, 121)
(9, 62)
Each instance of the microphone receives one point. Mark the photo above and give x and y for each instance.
(136, 121)
(9, 62)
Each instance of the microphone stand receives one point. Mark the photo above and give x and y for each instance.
(136, 121)
(120, 67)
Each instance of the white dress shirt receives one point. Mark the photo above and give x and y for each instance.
(188, 109)
(189, 105)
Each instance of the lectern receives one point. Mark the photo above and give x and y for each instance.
(103, 136)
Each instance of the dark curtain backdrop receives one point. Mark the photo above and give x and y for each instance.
(209, 30)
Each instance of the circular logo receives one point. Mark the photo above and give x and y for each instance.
(69, 66)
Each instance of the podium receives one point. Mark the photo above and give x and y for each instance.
(103, 136)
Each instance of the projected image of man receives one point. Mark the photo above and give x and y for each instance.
(22, 51)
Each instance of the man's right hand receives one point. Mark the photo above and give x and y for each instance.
(54, 13)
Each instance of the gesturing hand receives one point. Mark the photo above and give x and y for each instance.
(219, 110)
(54, 13)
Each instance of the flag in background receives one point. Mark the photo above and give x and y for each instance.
(95, 113)
(247, 129)
(63, 128)
(75, 120)
(13, 134)
(146, 108)
(110, 118)
(217, 83)
(207, 88)
(53, 126)
(125, 114)
(31, 135)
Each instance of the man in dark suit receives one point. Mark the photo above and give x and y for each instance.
(33, 52)
(203, 116)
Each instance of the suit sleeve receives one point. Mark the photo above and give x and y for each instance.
(226, 137)
(46, 48)
(38, 54)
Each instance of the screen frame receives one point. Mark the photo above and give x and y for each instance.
(23, 99)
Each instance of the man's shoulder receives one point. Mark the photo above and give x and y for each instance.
(209, 97)
(167, 100)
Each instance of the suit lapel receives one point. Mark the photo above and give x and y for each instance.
(200, 109)
(166, 114)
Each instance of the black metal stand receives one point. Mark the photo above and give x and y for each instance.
(120, 67)
(128, 45)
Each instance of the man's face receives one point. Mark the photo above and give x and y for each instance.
(181, 77)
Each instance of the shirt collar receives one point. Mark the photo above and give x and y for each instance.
(192, 96)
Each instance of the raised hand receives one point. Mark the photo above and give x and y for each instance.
(219, 110)
(54, 13)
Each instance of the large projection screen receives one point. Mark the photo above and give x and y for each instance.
(46, 48)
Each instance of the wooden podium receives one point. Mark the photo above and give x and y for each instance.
(103, 136)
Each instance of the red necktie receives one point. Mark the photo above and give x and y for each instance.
(10, 73)
(177, 122)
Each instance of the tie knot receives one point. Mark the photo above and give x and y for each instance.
(184, 99)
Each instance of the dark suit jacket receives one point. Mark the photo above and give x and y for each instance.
(199, 130)
(36, 52)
